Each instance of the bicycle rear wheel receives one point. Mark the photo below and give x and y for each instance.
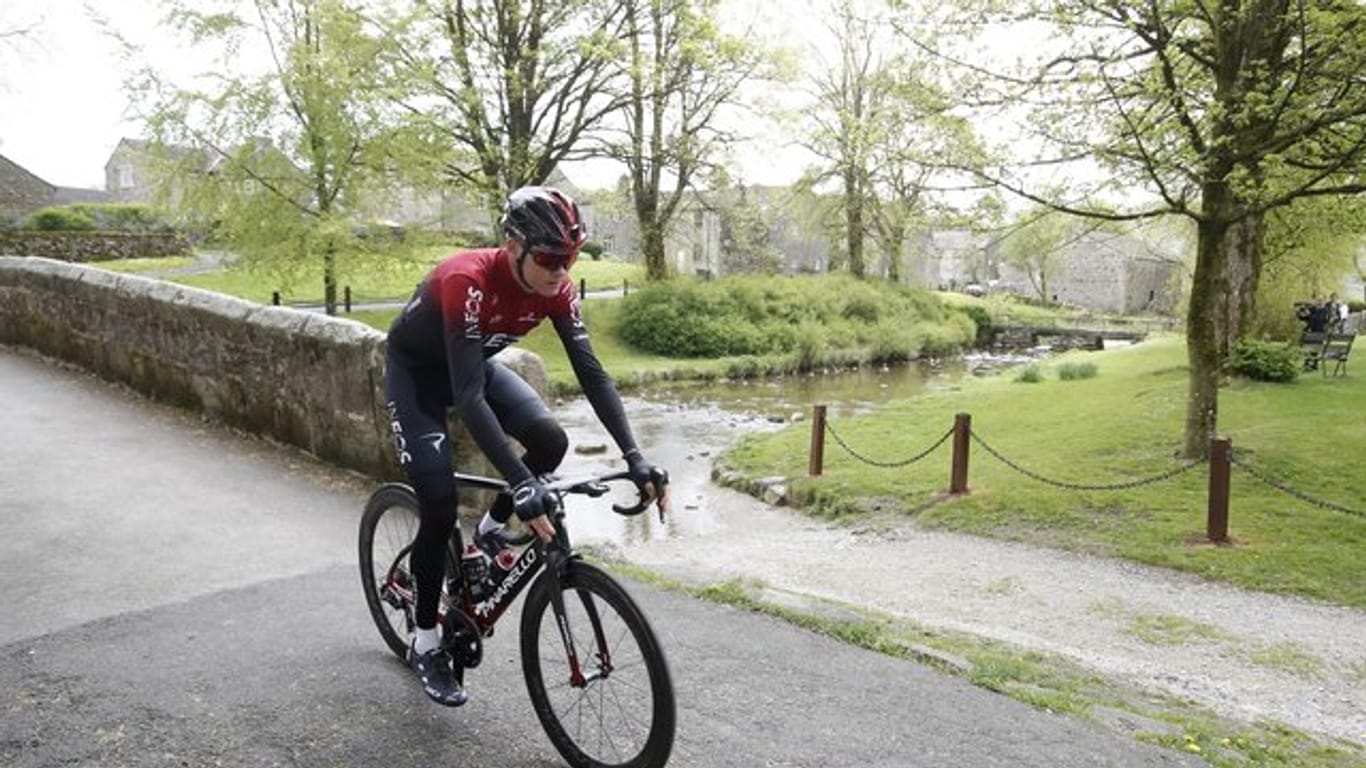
(387, 530)
(619, 710)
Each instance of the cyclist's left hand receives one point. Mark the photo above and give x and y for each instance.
(652, 481)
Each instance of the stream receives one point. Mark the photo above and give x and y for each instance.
(683, 426)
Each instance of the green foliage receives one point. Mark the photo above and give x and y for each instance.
(125, 217)
(1030, 374)
(60, 219)
(808, 319)
(1309, 246)
(117, 217)
(1073, 371)
(297, 155)
(1262, 360)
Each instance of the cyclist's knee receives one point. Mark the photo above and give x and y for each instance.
(546, 444)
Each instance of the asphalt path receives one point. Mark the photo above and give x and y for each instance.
(174, 593)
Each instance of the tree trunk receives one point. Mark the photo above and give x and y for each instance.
(652, 246)
(330, 280)
(853, 207)
(1205, 324)
(1243, 255)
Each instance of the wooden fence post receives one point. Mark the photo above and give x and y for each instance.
(816, 462)
(1217, 526)
(958, 478)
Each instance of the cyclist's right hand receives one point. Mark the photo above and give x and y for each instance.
(531, 501)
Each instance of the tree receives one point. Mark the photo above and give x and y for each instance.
(680, 74)
(880, 123)
(746, 227)
(848, 98)
(279, 162)
(1037, 246)
(506, 90)
(15, 36)
(1309, 246)
(1219, 111)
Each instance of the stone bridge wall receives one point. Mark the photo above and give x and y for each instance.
(299, 377)
(92, 246)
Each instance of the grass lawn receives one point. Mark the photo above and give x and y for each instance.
(1123, 425)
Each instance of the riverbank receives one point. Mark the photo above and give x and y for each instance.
(1092, 466)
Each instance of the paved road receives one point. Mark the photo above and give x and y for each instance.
(172, 593)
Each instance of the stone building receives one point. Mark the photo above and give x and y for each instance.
(21, 192)
(1107, 273)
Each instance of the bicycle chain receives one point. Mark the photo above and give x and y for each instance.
(886, 464)
(1286, 489)
(1082, 486)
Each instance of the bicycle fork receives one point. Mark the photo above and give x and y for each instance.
(557, 562)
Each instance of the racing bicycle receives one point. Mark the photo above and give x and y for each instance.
(596, 674)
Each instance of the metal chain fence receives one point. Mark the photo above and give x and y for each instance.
(1121, 486)
(1286, 489)
(1084, 486)
(886, 464)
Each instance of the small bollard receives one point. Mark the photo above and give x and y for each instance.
(275, 298)
(1216, 527)
(583, 289)
(816, 463)
(958, 475)
(346, 294)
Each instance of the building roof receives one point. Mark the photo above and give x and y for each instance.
(22, 192)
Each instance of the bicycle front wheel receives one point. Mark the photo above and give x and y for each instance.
(615, 707)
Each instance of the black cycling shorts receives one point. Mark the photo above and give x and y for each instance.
(419, 395)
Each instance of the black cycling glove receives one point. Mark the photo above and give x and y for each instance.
(644, 474)
(530, 499)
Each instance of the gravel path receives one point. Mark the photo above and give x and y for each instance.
(1077, 606)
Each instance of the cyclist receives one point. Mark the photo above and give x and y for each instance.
(471, 305)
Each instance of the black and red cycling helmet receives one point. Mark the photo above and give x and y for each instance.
(544, 218)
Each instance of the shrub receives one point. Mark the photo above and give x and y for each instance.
(1071, 371)
(981, 318)
(1262, 360)
(593, 249)
(803, 320)
(124, 217)
(1030, 375)
(60, 219)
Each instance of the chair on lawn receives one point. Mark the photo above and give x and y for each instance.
(1336, 348)
(1311, 347)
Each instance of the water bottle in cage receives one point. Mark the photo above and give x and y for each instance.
(502, 563)
(475, 567)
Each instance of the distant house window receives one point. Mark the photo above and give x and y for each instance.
(126, 177)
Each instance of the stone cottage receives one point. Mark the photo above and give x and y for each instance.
(21, 192)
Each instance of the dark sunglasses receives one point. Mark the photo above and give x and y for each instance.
(553, 260)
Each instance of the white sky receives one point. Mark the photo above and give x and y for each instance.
(63, 110)
(61, 98)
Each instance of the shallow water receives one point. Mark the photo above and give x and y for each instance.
(682, 426)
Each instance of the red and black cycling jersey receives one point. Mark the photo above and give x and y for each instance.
(470, 307)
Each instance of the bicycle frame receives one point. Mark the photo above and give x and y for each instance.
(485, 613)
